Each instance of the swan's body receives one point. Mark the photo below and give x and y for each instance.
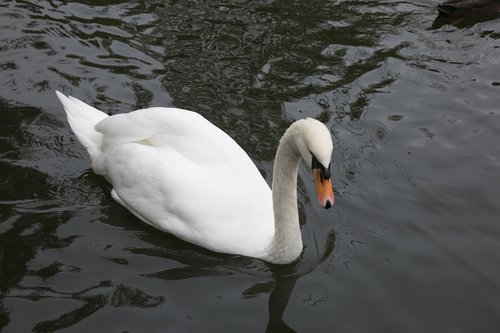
(176, 171)
(469, 8)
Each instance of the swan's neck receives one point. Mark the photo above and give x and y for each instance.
(287, 241)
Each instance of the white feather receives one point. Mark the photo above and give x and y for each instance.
(82, 119)
(178, 172)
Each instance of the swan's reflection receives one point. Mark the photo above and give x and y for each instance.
(278, 300)
(280, 288)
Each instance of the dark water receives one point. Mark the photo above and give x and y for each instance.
(412, 244)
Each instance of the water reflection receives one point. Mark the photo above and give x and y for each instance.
(95, 298)
(21, 239)
(278, 301)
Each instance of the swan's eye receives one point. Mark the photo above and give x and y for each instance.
(324, 172)
(315, 163)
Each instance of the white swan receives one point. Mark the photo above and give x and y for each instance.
(176, 171)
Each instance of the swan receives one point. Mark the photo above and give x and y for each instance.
(178, 172)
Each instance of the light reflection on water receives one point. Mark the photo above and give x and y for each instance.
(411, 244)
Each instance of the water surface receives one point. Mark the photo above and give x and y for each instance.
(412, 243)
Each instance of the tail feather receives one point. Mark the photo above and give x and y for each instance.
(82, 118)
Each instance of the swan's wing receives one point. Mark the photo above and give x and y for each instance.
(179, 173)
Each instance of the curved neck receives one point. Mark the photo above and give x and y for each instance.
(287, 241)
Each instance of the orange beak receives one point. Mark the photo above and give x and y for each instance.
(324, 189)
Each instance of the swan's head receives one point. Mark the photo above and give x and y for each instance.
(314, 141)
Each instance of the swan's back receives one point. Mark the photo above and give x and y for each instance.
(178, 172)
(178, 129)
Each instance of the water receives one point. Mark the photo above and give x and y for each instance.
(412, 243)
